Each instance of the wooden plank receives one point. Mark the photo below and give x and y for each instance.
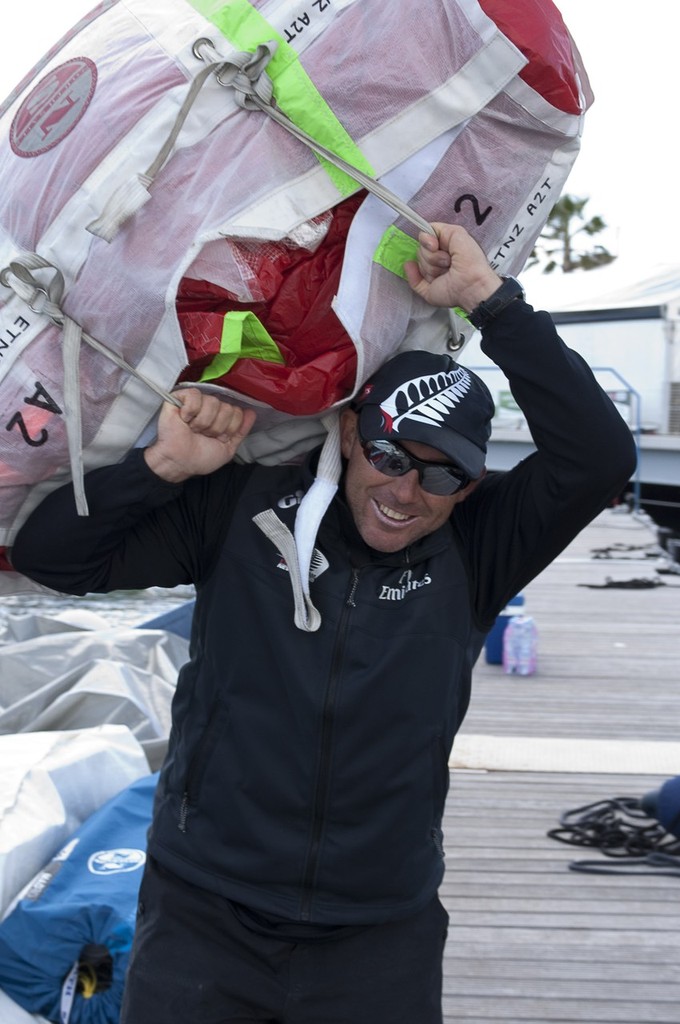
(589, 936)
(604, 1011)
(546, 919)
(576, 989)
(563, 950)
(665, 985)
(530, 902)
(576, 888)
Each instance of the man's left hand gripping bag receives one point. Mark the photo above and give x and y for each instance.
(135, 178)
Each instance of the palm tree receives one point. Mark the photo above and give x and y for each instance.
(555, 246)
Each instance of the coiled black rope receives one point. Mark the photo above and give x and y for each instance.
(621, 830)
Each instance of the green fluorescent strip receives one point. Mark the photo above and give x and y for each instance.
(243, 337)
(394, 249)
(295, 93)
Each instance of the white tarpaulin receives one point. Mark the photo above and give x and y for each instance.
(12, 1013)
(79, 679)
(50, 783)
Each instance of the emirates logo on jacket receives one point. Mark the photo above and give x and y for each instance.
(406, 585)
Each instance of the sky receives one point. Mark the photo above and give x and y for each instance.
(628, 159)
(627, 164)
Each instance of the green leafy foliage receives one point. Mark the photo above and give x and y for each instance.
(561, 243)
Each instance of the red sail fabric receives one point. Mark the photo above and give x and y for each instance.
(297, 289)
(540, 33)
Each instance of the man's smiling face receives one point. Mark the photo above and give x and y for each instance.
(392, 512)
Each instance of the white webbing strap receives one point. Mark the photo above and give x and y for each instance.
(298, 549)
(315, 503)
(68, 994)
(307, 617)
(73, 410)
(44, 295)
(132, 195)
(245, 73)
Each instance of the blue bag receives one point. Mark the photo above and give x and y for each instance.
(664, 804)
(64, 947)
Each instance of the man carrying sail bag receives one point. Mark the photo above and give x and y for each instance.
(296, 849)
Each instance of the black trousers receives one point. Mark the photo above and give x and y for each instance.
(195, 961)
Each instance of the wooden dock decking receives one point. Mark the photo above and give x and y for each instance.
(531, 940)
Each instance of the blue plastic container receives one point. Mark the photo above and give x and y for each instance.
(493, 645)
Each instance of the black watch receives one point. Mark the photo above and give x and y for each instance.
(482, 315)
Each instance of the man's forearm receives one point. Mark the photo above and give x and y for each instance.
(572, 421)
(81, 554)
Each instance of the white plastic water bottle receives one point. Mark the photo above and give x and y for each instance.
(520, 643)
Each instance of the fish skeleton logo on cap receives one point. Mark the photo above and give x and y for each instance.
(427, 399)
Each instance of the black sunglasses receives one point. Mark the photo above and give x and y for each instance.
(442, 478)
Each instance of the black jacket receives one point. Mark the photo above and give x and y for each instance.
(307, 772)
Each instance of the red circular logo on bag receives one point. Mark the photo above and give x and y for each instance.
(53, 109)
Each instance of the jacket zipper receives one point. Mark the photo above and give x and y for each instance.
(195, 768)
(438, 792)
(183, 811)
(324, 773)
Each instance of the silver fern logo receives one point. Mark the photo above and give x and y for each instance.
(318, 565)
(427, 399)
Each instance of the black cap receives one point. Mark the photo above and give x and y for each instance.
(428, 397)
